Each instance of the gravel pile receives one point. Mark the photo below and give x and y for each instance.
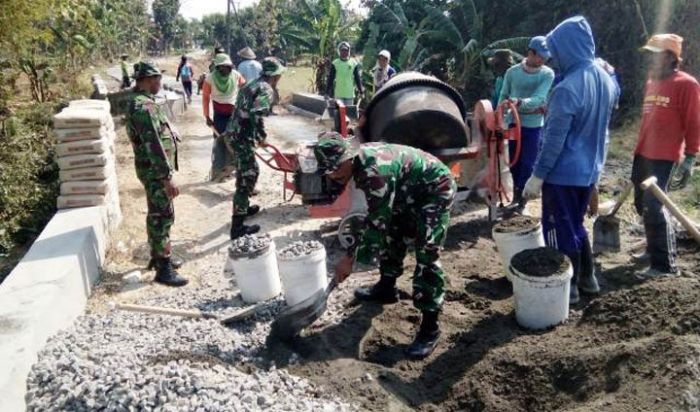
(124, 361)
(249, 245)
(299, 248)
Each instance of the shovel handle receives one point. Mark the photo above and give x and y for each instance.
(650, 184)
(625, 194)
(193, 314)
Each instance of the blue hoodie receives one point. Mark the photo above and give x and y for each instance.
(572, 147)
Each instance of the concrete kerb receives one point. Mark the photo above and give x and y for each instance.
(46, 291)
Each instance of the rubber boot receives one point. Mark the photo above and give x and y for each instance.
(166, 274)
(174, 261)
(253, 210)
(427, 337)
(587, 282)
(382, 292)
(238, 229)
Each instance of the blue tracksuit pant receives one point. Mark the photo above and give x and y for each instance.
(530, 143)
(563, 211)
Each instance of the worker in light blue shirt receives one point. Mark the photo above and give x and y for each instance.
(249, 67)
(527, 85)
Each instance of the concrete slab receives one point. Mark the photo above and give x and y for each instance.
(46, 291)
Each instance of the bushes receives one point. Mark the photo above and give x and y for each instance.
(28, 175)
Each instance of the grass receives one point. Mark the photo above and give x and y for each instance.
(295, 79)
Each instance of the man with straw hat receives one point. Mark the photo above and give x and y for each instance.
(155, 158)
(670, 131)
(244, 132)
(221, 90)
(409, 195)
(249, 67)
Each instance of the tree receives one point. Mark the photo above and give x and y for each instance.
(165, 15)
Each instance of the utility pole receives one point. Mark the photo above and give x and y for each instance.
(228, 26)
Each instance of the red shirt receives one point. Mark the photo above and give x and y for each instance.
(670, 118)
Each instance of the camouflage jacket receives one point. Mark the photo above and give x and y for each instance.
(154, 143)
(394, 179)
(252, 104)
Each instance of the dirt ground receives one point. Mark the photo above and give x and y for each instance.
(635, 347)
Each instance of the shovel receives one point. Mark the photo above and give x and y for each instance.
(292, 320)
(606, 229)
(239, 315)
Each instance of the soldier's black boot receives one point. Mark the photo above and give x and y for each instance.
(427, 338)
(587, 282)
(253, 210)
(383, 291)
(166, 274)
(175, 261)
(238, 229)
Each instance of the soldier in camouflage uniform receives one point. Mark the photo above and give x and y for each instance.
(245, 131)
(155, 158)
(409, 194)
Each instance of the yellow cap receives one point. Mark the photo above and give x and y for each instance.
(662, 42)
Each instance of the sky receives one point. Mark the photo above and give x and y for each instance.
(195, 9)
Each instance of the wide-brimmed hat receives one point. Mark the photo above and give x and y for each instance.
(665, 42)
(271, 66)
(222, 59)
(146, 69)
(246, 53)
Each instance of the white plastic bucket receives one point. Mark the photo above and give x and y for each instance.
(257, 276)
(303, 275)
(510, 243)
(541, 302)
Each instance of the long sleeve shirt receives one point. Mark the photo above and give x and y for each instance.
(670, 118)
(532, 88)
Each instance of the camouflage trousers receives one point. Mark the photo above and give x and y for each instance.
(425, 226)
(247, 173)
(160, 218)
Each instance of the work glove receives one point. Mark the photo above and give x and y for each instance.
(683, 173)
(533, 187)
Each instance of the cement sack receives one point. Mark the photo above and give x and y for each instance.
(75, 117)
(92, 104)
(80, 161)
(87, 173)
(71, 201)
(84, 187)
(73, 135)
(98, 146)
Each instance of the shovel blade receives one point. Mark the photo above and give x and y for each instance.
(606, 234)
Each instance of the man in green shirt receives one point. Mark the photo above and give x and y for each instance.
(527, 85)
(345, 76)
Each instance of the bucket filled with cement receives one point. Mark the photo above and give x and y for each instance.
(302, 267)
(515, 235)
(254, 266)
(541, 284)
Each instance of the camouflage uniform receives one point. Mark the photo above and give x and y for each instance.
(409, 195)
(155, 158)
(244, 131)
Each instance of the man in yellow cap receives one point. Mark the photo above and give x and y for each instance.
(670, 132)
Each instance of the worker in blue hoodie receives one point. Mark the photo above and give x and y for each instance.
(572, 147)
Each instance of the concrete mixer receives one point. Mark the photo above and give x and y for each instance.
(416, 110)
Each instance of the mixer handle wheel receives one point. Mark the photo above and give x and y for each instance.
(512, 131)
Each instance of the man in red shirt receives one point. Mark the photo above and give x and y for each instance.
(670, 132)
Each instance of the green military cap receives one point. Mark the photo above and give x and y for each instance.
(272, 67)
(332, 150)
(145, 69)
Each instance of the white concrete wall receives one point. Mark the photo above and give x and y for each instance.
(46, 291)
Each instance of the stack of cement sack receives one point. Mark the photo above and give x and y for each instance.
(85, 155)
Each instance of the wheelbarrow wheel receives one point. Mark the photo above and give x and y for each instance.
(350, 229)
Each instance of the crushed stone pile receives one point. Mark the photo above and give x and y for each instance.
(300, 248)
